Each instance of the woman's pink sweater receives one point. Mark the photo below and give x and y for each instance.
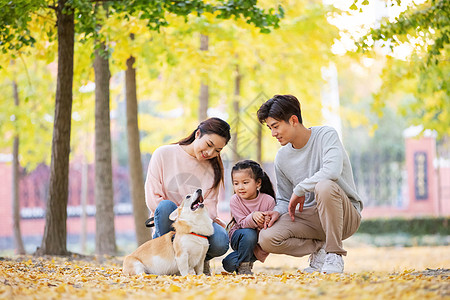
(173, 173)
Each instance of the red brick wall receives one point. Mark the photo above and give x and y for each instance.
(35, 227)
(444, 192)
(32, 227)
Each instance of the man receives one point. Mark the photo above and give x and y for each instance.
(314, 173)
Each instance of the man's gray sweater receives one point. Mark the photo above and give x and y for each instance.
(299, 170)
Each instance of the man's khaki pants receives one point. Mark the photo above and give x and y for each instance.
(331, 221)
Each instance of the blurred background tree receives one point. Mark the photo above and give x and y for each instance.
(423, 31)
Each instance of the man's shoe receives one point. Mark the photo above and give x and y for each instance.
(206, 268)
(316, 261)
(245, 268)
(333, 264)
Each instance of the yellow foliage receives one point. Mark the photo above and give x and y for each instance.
(278, 278)
(170, 68)
(354, 118)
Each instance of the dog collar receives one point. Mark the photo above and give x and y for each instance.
(198, 235)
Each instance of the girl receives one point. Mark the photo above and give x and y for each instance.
(253, 196)
(180, 169)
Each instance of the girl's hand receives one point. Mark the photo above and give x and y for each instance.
(220, 222)
(258, 217)
(270, 218)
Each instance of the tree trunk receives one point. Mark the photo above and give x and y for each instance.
(204, 88)
(54, 241)
(105, 240)
(237, 93)
(20, 249)
(140, 210)
(204, 99)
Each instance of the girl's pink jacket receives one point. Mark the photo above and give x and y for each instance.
(242, 210)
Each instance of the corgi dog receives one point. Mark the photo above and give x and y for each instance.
(180, 252)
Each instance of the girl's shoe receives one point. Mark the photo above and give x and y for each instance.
(207, 268)
(245, 268)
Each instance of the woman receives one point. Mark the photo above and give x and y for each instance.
(179, 169)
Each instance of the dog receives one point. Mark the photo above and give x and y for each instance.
(180, 252)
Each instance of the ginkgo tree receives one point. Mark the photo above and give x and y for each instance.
(130, 39)
(15, 33)
(24, 120)
(27, 81)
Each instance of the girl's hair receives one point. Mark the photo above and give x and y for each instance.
(257, 173)
(212, 126)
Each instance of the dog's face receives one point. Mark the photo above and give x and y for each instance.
(192, 204)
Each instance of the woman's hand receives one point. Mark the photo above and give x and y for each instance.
(220, 222)
(259, 218)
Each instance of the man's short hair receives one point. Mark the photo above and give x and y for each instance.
(281, 108)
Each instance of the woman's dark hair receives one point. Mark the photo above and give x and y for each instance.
(212, 126)
(257, 173)
(281, 108)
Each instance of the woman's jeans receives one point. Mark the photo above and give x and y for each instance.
(243, 241)
(218, 242)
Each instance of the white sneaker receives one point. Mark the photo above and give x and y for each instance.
(316, 261)
(333, 264)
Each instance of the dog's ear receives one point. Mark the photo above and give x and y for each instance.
(174, 215)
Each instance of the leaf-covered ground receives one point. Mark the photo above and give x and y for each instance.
(370, 273)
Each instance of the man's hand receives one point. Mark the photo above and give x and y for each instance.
(259, 218)
(270, 217)
(293, 204)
